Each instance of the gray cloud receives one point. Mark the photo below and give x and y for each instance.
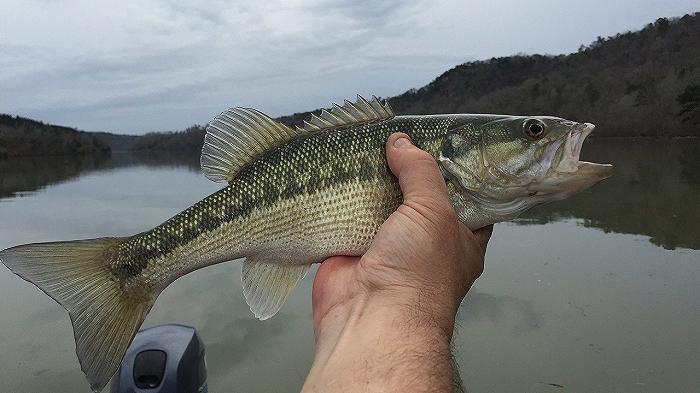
(163, 65)
(518, 313)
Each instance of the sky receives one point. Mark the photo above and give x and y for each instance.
(159, 65)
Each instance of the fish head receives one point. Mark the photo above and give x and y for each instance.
(507, 164)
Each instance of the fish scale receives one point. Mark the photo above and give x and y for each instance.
(295, 197)
(361, 193)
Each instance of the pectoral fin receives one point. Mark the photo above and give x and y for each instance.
(266, 286)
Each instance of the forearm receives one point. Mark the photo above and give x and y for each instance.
(373, 345)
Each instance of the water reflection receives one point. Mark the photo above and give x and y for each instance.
(19, 175)
(243, 353)
(498, 309)
(655, 190)
(559, 302)
(154, 159)
(690, 163)
(27, 174)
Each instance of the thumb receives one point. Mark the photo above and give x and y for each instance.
(419, 176)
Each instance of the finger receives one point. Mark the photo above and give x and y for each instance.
(418, 173)
(331, 284)
(483, 235)
(329, 269)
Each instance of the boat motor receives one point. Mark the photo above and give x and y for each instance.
(163, 359)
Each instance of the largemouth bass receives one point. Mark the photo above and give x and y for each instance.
(295, 197)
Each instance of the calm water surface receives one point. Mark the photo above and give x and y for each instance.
(597, 293)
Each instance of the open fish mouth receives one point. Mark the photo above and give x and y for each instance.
(568, 150)
(567, 174)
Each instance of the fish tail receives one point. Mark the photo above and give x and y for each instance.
(76, 275)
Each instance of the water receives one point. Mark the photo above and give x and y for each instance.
(597, 293)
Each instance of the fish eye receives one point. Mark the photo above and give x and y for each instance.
(534, 129)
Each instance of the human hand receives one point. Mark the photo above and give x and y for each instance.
(413, 277)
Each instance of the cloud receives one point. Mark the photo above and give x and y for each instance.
(138, 66)
(519, 314)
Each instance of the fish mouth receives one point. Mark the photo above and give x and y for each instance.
(569, 152)
(567, 174)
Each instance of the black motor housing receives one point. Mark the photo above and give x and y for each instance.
(163, 359)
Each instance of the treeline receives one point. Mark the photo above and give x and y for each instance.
(644, 83)
(189, 140)
(25, 137)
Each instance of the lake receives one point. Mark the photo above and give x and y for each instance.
(600, 292)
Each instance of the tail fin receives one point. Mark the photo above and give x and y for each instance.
(76, 276)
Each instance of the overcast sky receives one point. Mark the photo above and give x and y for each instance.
(138, 66)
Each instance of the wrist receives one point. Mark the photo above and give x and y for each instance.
(408, 309)
(381, 344)
(400, 309)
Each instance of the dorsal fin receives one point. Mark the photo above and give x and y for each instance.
(237, 137)
(358, 112)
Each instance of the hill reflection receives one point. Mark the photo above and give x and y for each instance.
(20, 175)
(655, 190)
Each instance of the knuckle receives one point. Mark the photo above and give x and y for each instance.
(451, 216)
(425, 158)
(446, 214)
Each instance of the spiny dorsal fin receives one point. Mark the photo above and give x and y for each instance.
(360, 111)
(237, 137)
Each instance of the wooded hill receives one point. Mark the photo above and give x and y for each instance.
(25, 137)
(189, 141)
(644, 83)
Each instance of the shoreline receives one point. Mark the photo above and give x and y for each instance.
(185, 153)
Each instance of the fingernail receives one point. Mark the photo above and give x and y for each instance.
(402, 143)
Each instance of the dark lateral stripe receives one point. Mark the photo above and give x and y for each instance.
(301, 167)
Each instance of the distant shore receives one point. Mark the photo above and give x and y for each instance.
(190, 154)
(616, 83)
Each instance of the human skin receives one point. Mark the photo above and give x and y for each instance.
(383, 322)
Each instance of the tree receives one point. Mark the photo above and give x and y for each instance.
(662, 25)
(689, 101)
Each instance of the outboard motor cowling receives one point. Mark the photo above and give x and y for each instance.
(163, 359)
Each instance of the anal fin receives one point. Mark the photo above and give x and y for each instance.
(266, 286)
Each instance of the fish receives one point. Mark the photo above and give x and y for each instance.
(292, 197)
